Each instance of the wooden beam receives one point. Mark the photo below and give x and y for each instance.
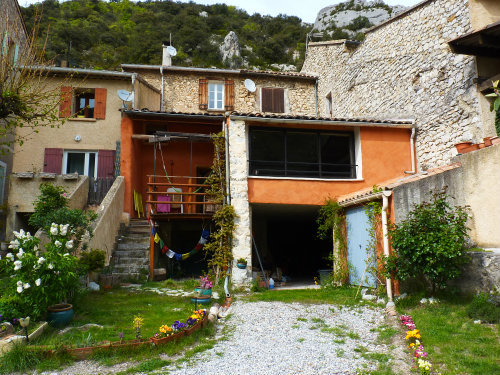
(486, 85)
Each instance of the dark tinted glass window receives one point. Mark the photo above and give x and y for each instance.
(295, 153)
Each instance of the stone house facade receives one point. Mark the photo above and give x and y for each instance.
(405, 69)
(183, 89)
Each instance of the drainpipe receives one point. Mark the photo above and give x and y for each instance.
(385, 203)
(412, 152)
(162, 87)
(134, 77)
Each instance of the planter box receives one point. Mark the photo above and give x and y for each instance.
(164, 340)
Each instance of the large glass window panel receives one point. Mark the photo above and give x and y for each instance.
(76, 163)
(267, 153)
(337, 156)
(216, 96)
(302, 154)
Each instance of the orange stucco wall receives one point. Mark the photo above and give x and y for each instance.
(385, 154)
(137, 156)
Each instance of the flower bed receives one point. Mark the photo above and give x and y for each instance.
(178, 329)
(414, 337)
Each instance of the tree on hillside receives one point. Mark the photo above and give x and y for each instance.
(25, 99)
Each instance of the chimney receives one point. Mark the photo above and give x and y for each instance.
(167, 59)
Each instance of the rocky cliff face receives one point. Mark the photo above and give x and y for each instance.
(230, 50)
(354, 16)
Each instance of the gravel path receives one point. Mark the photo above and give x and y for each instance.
(278, 338)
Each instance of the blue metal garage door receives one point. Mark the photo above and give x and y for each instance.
(357, 243)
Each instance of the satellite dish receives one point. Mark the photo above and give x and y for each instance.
(171, 50)
(125, 95)
(250, 85)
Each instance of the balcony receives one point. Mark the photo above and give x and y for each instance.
(179, 197)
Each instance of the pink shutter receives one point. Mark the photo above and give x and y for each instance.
(52, 161)
(105, 163)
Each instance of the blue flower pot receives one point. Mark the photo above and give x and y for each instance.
(241, 266)
(60, 315)
(203, 291)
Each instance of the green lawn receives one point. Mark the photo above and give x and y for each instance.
(341, 296)
(115, 311)
(454, 343)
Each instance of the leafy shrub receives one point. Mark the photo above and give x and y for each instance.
(40, 279)
(51, 206)
(11, 309)
(430, 242)
(483, 309)
(92, 260)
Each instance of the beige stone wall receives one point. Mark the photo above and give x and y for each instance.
(182, 91)
(95, 134)
(483, 12)
(145, 97)
(405, 69)
(109, 217)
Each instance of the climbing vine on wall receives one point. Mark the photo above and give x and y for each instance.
(220, 246)
(373, 211)
(331, 221)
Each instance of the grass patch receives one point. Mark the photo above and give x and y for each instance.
(353, 335)
(341, 296)
(455, 344)
(386, 333)
(301, 339)
(114, 310)
(302, 319)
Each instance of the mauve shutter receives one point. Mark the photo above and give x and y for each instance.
(105, 163)
(52, 160)
(267, 100)
(65, 104)
(100, 104)
(278, 100)
(229, 94)
(203, 94)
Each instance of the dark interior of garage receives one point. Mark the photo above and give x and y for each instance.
(287, 241)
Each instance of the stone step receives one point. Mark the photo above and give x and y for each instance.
(133, 246)
(130, 268)
(124, 277)
(136, 239)
(131, 253)
(132, 260)
(139, 230)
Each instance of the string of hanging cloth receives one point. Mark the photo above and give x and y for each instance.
(205, 234)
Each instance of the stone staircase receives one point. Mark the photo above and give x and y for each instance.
(131, 257)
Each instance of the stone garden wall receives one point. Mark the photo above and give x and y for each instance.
(405, 69)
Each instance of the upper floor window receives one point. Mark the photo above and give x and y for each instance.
(216, 95)
(273, 100)
(302, 153)
(83, 102)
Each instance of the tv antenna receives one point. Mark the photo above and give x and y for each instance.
(250, 85)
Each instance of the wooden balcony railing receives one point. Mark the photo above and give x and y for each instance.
(179, 196)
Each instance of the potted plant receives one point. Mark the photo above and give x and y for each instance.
(241, 263)
(203, 293)
(495, 104)
(93, 262)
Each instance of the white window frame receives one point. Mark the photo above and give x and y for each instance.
(216, 85)
(86, 162)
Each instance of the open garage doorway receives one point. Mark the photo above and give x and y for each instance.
(286, 237)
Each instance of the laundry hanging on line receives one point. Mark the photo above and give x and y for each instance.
(205, 234)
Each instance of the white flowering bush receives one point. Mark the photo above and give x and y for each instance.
(41, 278)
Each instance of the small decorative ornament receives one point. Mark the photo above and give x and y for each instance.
(25, 322)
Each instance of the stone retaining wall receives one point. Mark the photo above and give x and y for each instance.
(405, 69)
(482, 274)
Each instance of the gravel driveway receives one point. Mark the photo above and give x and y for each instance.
(277, 338)
(274, 338)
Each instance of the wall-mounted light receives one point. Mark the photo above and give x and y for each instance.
(78, 138)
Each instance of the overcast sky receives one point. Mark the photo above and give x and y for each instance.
(306, 10)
